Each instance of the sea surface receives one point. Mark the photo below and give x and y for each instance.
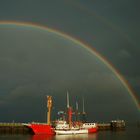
(130, 133)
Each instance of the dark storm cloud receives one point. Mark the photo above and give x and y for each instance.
(111, 27)
(35, 63)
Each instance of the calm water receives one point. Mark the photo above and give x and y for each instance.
(131, 133)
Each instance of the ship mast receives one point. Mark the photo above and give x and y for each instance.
(76, 105)
(68, 104)
(83, 106)
(76, 112)
(83, 113)
(69, 108)
(49, 106)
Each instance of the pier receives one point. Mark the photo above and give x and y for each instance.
(14, 128)
(104, 126)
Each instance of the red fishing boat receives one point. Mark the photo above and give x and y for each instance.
(62, 126)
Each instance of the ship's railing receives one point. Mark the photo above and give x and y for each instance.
(38, 123)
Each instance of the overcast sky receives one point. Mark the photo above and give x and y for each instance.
(34, 63)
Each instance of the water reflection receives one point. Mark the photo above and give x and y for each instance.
(65, 137)
(42, 137)
(77, 137)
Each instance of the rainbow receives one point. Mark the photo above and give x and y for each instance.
(87, 47)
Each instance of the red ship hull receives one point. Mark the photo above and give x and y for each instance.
(46, 129)
(42, 129)
(92, 130)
